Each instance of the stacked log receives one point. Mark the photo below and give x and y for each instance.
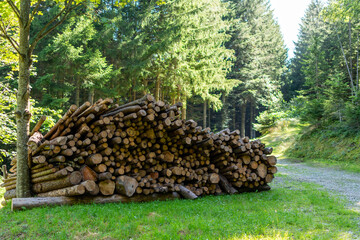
(141, 148)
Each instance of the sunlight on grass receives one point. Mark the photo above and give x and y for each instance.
(2, 191)
(289, 211)
(283, 136)
(275, 235)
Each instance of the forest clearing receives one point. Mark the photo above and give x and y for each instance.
(189, 119)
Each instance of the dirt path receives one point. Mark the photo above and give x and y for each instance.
(338, 182)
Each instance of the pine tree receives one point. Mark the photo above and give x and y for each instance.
(260, 56)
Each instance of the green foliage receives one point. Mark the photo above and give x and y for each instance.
(323, 82)
(8, 124)
(177, 50)
(284, 135)
(332, 145)
(72, 63)
(260, 57)
(291, 210)
(267, 120)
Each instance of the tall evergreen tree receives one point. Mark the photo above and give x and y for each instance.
(260, 56)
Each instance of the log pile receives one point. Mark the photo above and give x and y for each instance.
(140, 148)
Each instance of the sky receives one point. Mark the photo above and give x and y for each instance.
(289, 14)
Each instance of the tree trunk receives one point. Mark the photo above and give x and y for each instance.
(223, 111)
(234, 118)
(357, 63)
(157, 88)
(23, 111)
(204, 113)
(91, 95)
(243, 118)
(77, 93)
(350, 57)
(145, 83)
(251, 119)
(183, 110)
(209, 117)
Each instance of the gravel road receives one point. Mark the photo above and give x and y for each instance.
(338, 182)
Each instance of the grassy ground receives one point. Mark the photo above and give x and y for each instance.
(291, 210)
(288, 211)
(284, 135)
(293, 140)
(2, 191)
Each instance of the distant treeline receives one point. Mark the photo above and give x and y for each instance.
(322, 83)
(222, 59)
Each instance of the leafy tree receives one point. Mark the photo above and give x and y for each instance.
(19, 15)
(8, 124)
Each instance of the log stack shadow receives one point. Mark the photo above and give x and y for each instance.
(140, 150)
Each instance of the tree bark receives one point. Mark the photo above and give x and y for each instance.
(126, 185)
(91, 96)
(209, 117)
(223, 111)
(186, 193)
(234, 118)
(23, 112)
(77, 93)
(157, 88)
(251, 119)
(204, 113)
(243, 119)
(183, 110)
(28, 203)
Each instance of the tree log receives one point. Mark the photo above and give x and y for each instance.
(35, 141)
(105, 176)
(28, 203)
(186, 193)
(126, 185)
(59, 174)
(88, 173)
(262, 170)
(44, 173)
(73, 179)
(39, 159)
(94, 159)
(272, 160)
(107, 187)
(10, 194)
(38, 125)
(4, 171)
(59, 140)
(68, 192)
(91, 187)
(226, 186)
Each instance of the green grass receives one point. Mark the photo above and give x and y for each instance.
(284, 135)
(2, 191)
(319, 147)
(289, 211)
(328, 148)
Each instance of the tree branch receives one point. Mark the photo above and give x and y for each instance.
(34, 12)
(44, 31)
(346, 62)
(14, 8)
(54, 18)
(10, 39)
